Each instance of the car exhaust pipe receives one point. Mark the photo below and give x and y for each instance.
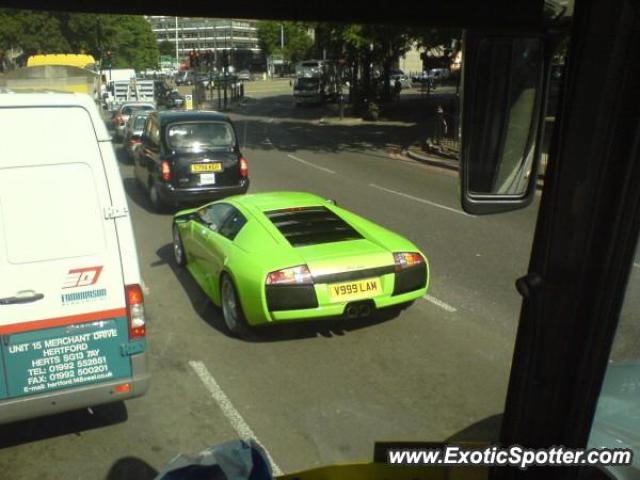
(352, 311)
(364, 310)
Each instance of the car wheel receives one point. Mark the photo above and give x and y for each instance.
(231, 309)
(179, 254)
(154, 197)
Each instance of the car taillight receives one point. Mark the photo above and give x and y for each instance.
(407, 259)
(299, 275)
(165, 170)
(244, 167)
(135, 311)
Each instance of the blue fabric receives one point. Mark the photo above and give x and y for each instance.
(233, 460)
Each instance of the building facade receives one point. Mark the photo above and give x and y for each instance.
(187, 34)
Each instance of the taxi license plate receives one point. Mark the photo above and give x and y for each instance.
(205, 167)
(354, 290)
(207, 179)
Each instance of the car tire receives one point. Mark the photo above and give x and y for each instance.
(179, 255)
(232, 314)
(157, 203)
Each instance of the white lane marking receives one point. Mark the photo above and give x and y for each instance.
(146, 290)
(270, 120)
(440, 303)
(421, 200)
(237, 422)
(310, 164)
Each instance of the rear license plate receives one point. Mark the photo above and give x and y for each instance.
(207, 179)
(354, 290)
(206, 167)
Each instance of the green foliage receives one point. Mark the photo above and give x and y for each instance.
(167, 48)
(297, 42)
(130, 38)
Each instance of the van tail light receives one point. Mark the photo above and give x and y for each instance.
(299, 275)
(406, 260)
(244, 167)
(165, 170)
(135, 311)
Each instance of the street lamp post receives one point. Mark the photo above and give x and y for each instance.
(282, 49)
(177, 54)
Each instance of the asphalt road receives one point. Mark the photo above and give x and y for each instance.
(320, 393)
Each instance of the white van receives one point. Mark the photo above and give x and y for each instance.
(72, 326)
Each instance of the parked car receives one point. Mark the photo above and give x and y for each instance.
(132, 138)
(439, 73)
(184, 78)
(69, 265)
(190, 157)
(244, 75)
(275, 257)
(172, 100)
(405, 81)
(122, 114)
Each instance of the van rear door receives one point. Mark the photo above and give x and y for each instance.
(63, 318)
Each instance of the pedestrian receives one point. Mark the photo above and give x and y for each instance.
(397, 88)
(441, 126)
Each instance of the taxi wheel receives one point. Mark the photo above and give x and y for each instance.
(231, 309)
(154, 197)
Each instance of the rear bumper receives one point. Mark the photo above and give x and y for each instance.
(59, 401)
(173, 195)
(338, 309)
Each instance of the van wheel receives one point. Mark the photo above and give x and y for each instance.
(179, 254)
(234, 319)
(154, 197)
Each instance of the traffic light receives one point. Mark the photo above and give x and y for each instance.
(108, 60)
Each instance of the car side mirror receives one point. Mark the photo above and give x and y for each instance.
(504, 90)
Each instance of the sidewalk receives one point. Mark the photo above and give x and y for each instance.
(414, 108)
(415, 154)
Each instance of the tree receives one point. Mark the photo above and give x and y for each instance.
(129, 37)
(167, 48)
(297, 42)
(269, 37)
(31, 31)
(362, 46)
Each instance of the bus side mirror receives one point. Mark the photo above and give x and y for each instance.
(504, 90)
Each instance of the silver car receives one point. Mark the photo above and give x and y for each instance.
(124, 111)
(132, 138)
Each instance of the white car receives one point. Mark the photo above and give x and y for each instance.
(405, 82)
(71, 302)
(124, 111)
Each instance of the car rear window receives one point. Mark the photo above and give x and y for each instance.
(195, 136)
(129, 110)
(139, 123)
(311, 226)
